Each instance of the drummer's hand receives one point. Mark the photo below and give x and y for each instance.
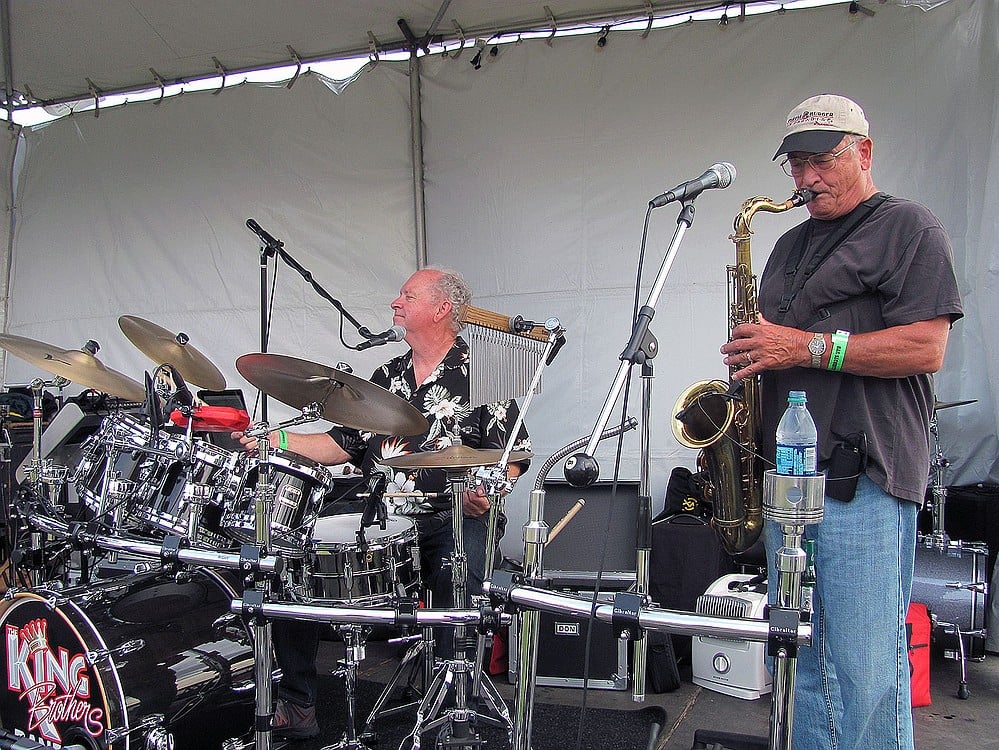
(475, 502)
(249, 443)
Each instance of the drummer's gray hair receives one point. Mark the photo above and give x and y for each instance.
(452, 287)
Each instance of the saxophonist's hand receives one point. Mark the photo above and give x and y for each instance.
(756, 347)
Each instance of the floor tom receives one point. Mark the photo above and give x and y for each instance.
(951, 581)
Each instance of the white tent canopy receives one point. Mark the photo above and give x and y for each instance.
(538, 168)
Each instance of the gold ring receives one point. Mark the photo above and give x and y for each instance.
(749, 359)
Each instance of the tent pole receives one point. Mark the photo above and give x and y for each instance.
(416, 135)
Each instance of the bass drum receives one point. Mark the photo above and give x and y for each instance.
(143, 661)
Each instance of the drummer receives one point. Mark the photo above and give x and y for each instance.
(433, 376)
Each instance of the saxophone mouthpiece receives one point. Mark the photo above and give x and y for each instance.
(801, 197)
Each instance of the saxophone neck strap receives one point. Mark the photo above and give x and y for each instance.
(793, 270)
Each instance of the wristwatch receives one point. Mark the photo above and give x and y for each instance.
(817, 347)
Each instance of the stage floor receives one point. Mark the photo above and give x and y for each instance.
(948, 723)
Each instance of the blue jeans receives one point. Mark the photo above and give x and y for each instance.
(852, 689)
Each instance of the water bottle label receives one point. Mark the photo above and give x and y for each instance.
(796, 460)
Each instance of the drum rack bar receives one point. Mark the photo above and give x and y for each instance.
(335, 613)
(649, 618)
(170, 550)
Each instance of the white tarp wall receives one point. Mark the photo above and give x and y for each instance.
(539, 167)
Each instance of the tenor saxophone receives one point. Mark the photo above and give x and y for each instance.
(722, 419)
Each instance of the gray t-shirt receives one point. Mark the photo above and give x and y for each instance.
(893, 269)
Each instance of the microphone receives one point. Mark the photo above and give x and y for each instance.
(262, 234)
(182, 394)
(374, 509)
(395, 333)
(718, 175)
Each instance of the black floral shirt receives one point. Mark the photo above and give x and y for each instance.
(443, 399)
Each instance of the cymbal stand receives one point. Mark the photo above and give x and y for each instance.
(457, 723)
(260, 594)
(938, 490)
(793, 502)
(262, 640)
(46, 479)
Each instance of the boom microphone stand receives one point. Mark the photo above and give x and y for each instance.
(272, 247)
(582, 470)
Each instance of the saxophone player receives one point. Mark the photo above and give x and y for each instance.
(856, 304)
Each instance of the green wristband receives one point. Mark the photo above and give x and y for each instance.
(838, 353)
(282, 440)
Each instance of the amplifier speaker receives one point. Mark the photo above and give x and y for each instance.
(562, 646)
(579, 546)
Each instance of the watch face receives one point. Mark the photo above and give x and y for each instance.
(817, 345)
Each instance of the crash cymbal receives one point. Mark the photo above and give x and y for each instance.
(76, 365)
(345, 399)
(164, 347)
(938, 405)
(453, 457)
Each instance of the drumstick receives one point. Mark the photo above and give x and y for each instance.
(569, 514)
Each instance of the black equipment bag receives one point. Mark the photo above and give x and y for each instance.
(686, 558)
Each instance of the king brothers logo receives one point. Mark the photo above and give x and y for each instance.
(50, 685)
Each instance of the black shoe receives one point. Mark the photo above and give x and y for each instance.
(294, 722)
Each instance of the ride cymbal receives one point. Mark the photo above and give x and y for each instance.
(164, 347)
(76, 365)
(345, 399)
(938, 405)
(453, 457)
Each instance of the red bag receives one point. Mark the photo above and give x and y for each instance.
(917, 629)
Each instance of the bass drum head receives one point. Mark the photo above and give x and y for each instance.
(108, 665)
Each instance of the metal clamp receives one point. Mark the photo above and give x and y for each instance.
(624, 619)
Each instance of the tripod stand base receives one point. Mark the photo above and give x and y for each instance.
(458, 723)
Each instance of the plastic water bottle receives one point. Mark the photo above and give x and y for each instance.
(797, 438)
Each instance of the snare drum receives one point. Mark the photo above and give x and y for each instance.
(126, 663)
(299, 487)
(166, 505)
(339, 569)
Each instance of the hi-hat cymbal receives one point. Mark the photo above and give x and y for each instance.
(164, 347)
(345, 399)
(453, 457)
(76, 365)
(938, 405)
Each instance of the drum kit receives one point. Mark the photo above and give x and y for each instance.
(141, 617)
